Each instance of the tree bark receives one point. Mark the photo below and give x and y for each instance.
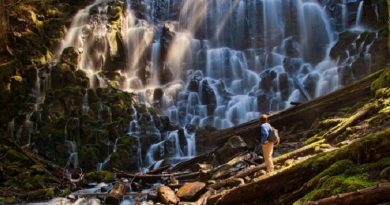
(373, 195)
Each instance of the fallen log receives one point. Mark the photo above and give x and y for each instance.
(159, 170)
(340, 128)
(267, 188)
(207, 157)
(230, 182)
(373, 195)
(151, 177)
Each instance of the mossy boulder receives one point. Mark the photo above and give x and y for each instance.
(383, 81)
(99, 176)
(54, 28)
(71, 57)
(89, 156)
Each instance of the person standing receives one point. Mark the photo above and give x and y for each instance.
(267, 146)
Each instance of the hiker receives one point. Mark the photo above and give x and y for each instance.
(267, 146)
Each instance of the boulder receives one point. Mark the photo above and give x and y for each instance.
(190, 191)
(167, 195)
(232, 147)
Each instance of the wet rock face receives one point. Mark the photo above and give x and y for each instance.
(346, 76)
(166, 39)
(284, 86)
(310, 84)
(267, 78)
(70, 57)
(208, 97)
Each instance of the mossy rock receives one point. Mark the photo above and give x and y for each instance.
(70, 56)
(382, 93)
(35, 182)
(383, 81)
(124, 159)
(55, 28)
(99, 176)
(14, 155)
(89, 157)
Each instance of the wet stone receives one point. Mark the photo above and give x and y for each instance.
(190, 191)
(167, 195)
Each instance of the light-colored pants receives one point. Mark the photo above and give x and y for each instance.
(268, 149)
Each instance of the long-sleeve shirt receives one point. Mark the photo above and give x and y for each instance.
(265, 130)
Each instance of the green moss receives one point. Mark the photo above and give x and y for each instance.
(313, 139)
(383, 81)
(89, 156)
(35, 182)
(330, 122)
(342, 176)
(38, 168)
(50, 193)
(98, 176)
(378, 165)
(65, 192)
(382, 93)
(7, 200)
(339, 184)
(14, 155)
(126, 141)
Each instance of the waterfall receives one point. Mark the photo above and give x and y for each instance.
(101, 165)
(213, 62)
(359, 13)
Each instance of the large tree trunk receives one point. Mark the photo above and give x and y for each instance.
(3, 25)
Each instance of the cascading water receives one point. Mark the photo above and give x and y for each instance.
(212, 62)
